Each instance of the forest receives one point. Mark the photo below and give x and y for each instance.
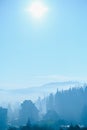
(54, 111)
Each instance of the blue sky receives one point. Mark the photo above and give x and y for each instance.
(33, 52)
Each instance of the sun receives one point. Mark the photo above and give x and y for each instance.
(37, 9)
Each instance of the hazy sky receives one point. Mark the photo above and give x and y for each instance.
(48, 49)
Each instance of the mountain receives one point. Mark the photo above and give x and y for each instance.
(34, 92)
(50, 87)
(47, 88)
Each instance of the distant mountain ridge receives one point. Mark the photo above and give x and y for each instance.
(50, 87)
(39, 91)
(62, 83)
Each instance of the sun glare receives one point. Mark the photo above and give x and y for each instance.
(37, 9)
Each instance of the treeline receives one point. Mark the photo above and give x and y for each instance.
(69, 104)
(34, 127)
(63, 106)
(37, 127)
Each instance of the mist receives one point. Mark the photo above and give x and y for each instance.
(62, 107)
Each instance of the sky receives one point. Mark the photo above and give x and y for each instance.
(37, 51)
